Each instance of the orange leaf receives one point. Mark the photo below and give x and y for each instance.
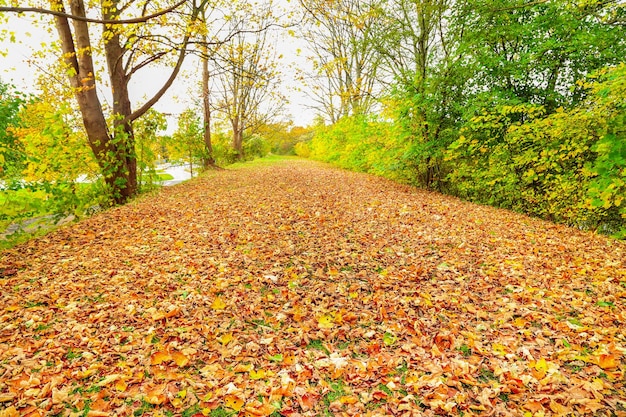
(180, 359)
(264, 410)
(533, 406)
(159, 357)
(307, 401)
(121, 385)
(243, 368)
(172, 313)
(608, 361)
(558, 408)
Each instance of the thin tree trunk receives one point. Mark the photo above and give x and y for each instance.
(237, 137)
(209, 159)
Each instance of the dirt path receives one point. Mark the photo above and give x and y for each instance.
(296, 289)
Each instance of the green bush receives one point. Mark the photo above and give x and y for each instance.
(256, 146)
(568, 166)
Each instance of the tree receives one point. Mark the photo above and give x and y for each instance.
(129, 44)
(345, 60)
(188, 138)
(11, 153)
(248, 81)
(421, 54)
(535, 53)
(149, 145)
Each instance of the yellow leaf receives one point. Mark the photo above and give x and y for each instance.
(325, 322)
(179, 244)
(348, 399)
(520, 322)
(225, 338)
(233, 402)
(260, 374)
(541, 365)
(499, 349)
(9, 412)
(155, 399)
(218, 304)
(427, 299)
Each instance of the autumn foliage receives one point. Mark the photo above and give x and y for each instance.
(294, 289)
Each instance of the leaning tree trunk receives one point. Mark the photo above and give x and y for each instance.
(76, 49)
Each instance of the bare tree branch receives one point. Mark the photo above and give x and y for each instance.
(142, 19)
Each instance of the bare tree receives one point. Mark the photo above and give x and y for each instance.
(345, 59)
(248, 80)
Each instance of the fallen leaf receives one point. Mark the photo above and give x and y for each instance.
(180, 359)
(232, 402)
(158, 358)
(218, 304)
(225, 339)
(325, 322)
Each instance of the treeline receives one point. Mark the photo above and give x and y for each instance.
(513, 104)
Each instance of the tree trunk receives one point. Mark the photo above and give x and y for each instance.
(124, 167)
(209, 159)
(237, 137)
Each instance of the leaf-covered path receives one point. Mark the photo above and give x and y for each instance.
(296, 289)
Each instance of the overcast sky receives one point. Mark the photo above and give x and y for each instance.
(19, 67)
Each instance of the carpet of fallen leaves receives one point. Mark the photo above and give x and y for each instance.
(295, 289)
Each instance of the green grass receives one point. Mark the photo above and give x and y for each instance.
(164, 176)
(263, 162)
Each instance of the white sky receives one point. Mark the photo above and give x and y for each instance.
(17, 68)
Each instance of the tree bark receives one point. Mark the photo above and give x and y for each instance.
(77, 53)
(237, 137)
(124, 167)
(209, 159)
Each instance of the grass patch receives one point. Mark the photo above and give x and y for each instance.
(163, 176)
(318, 345)
(268, 160)
(337, 390)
